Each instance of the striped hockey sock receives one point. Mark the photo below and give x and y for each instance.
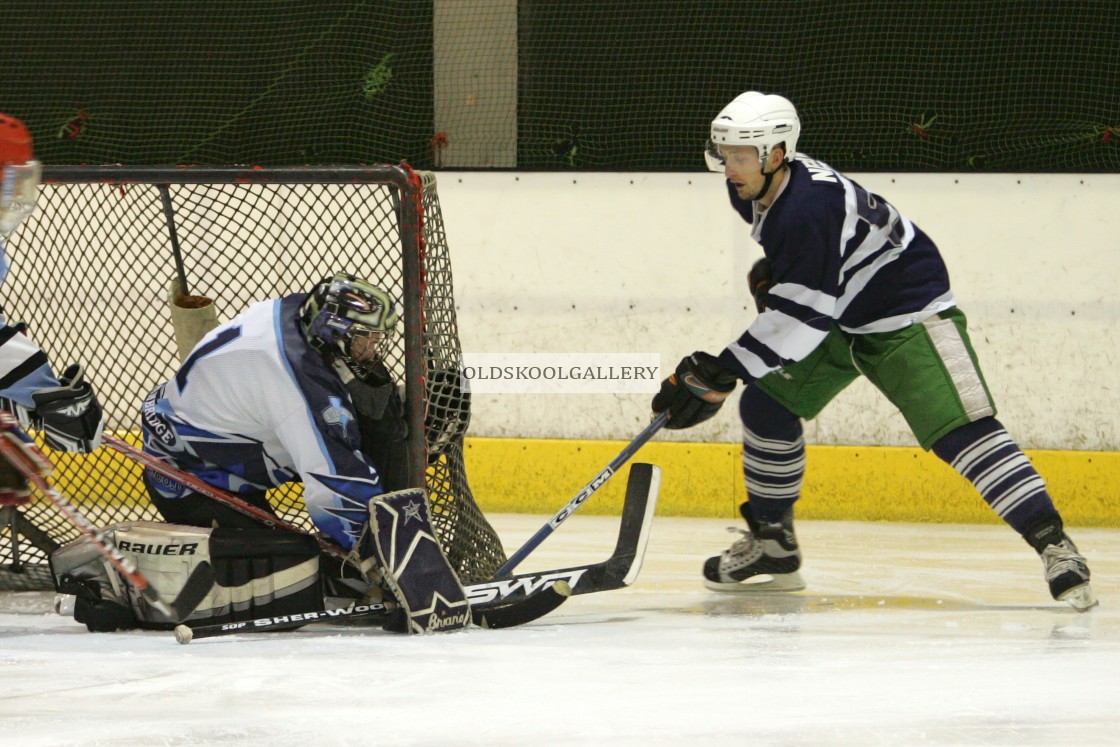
(990, 459)
(773, 469)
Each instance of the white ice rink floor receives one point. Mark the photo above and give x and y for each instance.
(906, 635)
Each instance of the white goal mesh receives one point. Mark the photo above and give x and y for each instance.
(90, 275)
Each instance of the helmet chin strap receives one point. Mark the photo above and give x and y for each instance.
(767, 181)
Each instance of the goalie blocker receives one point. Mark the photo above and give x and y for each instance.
(268, 573)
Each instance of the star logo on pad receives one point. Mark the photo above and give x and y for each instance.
(412, 511)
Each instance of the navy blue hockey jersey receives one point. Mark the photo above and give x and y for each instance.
(841, 255)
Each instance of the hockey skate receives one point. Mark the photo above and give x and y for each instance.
(1064, 568)
(766, 558)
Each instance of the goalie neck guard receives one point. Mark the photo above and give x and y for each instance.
(351, 319)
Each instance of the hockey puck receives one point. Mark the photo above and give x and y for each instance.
(183, 634)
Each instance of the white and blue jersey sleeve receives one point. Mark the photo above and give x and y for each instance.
(254, 407)
(841, 256)
(24, 368)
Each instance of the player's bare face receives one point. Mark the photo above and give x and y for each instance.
(743, 170)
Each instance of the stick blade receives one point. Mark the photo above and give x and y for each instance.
(523, 610)
(642, 488)
(621, 569)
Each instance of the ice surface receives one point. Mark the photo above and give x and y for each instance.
(907, 634)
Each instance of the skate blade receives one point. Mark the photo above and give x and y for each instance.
(1081, 598)
(761, 583)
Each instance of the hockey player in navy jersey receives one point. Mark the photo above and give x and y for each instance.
(847, 286)
(64, 407)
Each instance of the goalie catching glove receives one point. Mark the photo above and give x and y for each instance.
(695, 392)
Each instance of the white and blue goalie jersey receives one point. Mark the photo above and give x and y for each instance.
(254, 407)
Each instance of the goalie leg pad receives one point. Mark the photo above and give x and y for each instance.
(261, 572)
(414, 565)
(257, 573)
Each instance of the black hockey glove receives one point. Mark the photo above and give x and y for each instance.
(98, 614)
(383, 427)
(759, 279)
(71, 415)
(695, 392)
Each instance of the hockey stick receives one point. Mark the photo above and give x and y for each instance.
(617, 571)
(20, 451)
(492, 617)
(216, 494)
(499, 612)
(581, 497)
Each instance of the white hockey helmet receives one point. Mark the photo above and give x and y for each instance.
(758, 119)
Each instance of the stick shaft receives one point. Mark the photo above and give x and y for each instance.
(495, 616)
(185, 634)
(204, 488)
(581, 497)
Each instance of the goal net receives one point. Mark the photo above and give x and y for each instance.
(91, 274)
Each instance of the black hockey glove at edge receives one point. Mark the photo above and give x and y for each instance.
(71, 415)
(92, 609)
(759, 280)
(695, 392)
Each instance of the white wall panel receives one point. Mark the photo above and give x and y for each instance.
(562, 262)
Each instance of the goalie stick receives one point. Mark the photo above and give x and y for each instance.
(497, 604)
(581, 497)
(491, 617)
(617, 571)
(21, 452)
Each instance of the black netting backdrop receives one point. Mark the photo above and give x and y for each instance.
(275, 82)
(100, 252)
(962, 85)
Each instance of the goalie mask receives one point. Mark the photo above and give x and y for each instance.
(19, 174)
(348, 318)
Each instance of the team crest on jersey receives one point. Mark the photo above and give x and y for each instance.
(337, 414)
